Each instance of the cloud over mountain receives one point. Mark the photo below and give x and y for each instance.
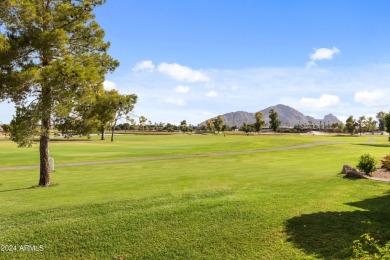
(324, 102)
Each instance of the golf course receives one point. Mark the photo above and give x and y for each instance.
(192, 196)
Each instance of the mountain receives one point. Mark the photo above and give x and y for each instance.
(287, 115)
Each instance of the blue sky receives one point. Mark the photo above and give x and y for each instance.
(196, 59)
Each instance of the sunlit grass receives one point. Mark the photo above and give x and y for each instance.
(289, 204)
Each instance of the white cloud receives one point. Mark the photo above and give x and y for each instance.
(175, 101)
(211, 93)
(321, 54)
(146, 65)
(376, 97)
(182, 73)
(182, 89)
(258, 88)
(324, 54)
(109, 85)
(324, 102)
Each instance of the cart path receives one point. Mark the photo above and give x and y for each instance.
(155, 158)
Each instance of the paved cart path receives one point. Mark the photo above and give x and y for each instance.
(155, 158)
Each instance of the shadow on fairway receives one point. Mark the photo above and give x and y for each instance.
(70, 140)
(376, 145)
(330, 235)
(29, 188)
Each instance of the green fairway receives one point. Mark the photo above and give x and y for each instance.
(130, 146)
(286, 204)
(133, 146)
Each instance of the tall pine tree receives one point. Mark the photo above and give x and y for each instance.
(52, 55)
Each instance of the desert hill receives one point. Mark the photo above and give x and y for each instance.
(287, 115)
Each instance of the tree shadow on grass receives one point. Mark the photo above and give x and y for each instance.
(330, 235)
(17, 189)
(376, 145)
(29, 188)
(338, 135)
(70, 140)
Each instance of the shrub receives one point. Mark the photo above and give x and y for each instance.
(386, 162)
(370, 249)
(367, 163)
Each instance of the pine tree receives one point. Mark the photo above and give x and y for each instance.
(52, 55)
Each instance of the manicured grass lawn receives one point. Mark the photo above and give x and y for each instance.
(131, 146)
(289, 204)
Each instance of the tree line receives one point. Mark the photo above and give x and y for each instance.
(363, 124)
(53, 62)
(351, 126)
(105, 116)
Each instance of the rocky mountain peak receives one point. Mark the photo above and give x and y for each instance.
(287, 115)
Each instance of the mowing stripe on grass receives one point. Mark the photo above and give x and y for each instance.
(173, 156)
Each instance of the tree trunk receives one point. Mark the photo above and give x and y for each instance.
(113, 129)
(44, 177)
(102, 133)
(112, 134)
(46, 98)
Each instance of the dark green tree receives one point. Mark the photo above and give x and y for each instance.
(52, 54)
(381, 123)
(361, 124)
(142, 120)
(350, 125)
(210, 124)
(370, 124)
(386, 121)
(81, 120)
(121, 106)
(218, 123)
(247, 128)
(340, 127)
(6, 129)
(183, 126)
(259, 121)
(274, 120)
(169, 127)
(104, 110)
